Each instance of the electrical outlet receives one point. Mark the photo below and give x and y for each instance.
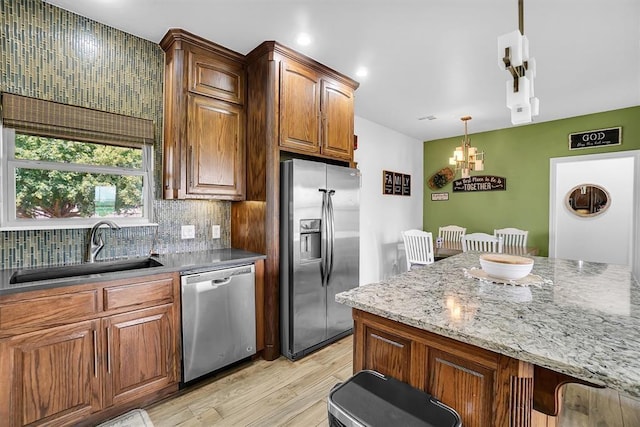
(188, 232)
(215, 231)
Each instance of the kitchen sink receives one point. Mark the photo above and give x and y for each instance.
(49, 273)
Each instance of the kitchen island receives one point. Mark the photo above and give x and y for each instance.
(497, 352)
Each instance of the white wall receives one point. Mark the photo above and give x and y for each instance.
(383, 218)
(581, 238)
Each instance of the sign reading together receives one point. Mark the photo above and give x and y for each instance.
(480, 183)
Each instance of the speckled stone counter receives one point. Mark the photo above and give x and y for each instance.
(188, 262)
(585, 324)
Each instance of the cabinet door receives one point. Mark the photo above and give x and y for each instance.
(141, 354)
(216, 144)
(215, 77)
(50, 376)
(388, 354)
(299, 108)
(464, 385)
(337, 120)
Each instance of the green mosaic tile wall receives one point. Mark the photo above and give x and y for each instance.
(49, 53)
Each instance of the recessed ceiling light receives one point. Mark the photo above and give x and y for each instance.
(362, 72)
(303, 39)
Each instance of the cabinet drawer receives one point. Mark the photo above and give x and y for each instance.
(48, 311)
(141, 294)
(216, 78)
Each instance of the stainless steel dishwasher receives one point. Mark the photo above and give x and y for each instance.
(218, 319)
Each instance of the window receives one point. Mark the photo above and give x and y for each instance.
(62, 172)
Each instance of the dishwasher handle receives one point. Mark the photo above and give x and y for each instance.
(218, 277)
(221, 282)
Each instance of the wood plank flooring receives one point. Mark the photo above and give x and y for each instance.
(285, 393)
(260, 393)
(584, 406)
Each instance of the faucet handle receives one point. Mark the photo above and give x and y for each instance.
(97, 238)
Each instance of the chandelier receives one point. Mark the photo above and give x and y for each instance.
(467, 158)
(513, 53)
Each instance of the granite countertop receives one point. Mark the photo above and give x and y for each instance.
(188, 262)
(585, 324)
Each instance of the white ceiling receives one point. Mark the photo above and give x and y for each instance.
(425, 57)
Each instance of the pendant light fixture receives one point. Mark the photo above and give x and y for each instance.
(467, 158)
(513, 53)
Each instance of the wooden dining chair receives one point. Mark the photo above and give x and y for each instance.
(481, 242)
(418, 246)
(512, 236)
(451, 233)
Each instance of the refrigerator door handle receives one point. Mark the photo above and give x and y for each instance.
(323, 237)
(332, 233)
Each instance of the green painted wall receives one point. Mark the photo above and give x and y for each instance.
(520, 154)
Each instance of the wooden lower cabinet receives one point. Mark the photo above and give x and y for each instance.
(51, 376)
(463, 384)
(140, 356)
(387, 353)
(121, 351)
(485, 388)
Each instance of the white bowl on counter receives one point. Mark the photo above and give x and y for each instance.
(504, 266)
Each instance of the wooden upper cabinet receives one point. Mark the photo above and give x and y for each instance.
(216, 78)
(299, 107)
(204, 119)
(316, 112)
(215, 136)
(337, 120)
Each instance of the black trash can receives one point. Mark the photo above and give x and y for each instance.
(370, 399)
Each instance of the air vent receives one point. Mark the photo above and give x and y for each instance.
(431, 117)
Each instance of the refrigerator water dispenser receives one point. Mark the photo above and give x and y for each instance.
(310, 239)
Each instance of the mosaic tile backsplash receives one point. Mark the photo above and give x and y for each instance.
(49, 53)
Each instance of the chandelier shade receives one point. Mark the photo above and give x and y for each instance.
(465, 157)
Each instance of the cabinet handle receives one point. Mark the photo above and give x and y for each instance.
(109, 350)
(191, 167)
(95, 353)
(388, 341)
(321, 132)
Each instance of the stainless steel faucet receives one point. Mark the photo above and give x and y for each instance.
(95, 239)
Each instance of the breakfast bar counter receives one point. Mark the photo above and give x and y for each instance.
(575, 322)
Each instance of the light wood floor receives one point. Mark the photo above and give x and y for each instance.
(260, 393)
(584, 406)
(284, 393)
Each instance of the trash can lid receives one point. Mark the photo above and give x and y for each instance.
(371, 399)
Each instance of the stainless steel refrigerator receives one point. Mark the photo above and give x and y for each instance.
(319, 253)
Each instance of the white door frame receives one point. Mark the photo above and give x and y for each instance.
(635, 154)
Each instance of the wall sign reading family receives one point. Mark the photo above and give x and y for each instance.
(396, 183)
(480, 183)
(595, 138)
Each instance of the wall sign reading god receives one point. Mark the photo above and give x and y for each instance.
(595, 138)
